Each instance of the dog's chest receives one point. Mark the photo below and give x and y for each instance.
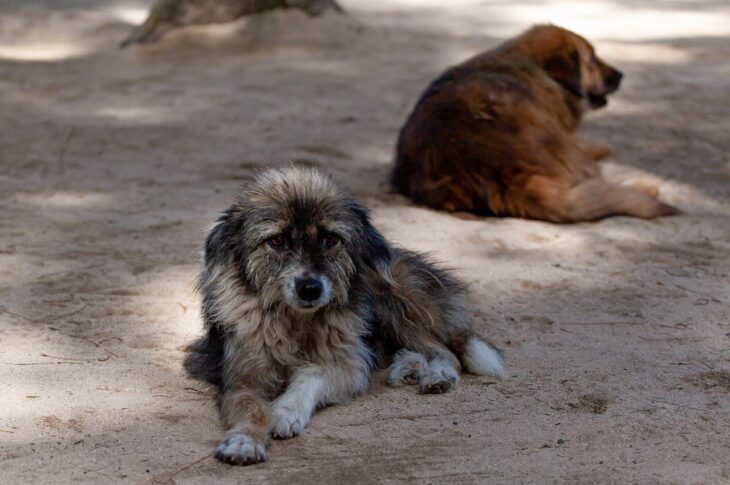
(290, 342)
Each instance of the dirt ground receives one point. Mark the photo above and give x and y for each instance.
(115, 162)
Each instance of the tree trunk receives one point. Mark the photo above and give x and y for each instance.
(169, 14)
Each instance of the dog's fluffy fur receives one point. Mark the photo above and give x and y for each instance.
(495, 135)
(301, 298)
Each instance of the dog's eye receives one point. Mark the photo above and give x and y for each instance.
(330, 240)
(278, 242)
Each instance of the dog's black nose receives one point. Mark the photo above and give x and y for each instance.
(614, 80)
(309, 289)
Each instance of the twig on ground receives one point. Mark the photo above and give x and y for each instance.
(100, 345)
(63, 315)
(180, 470)
(18, 315)
(618, 322)
(72, 296)
(40, 363)
(683, 405)
(45, 277)
(98, 359)
(711, 367)
(64, 148)
(44, 318)
(196, 390)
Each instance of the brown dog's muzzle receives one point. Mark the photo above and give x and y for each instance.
(597, 100)
(613, 80)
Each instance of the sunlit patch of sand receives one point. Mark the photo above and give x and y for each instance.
(43, 51)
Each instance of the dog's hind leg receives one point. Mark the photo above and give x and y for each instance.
(427, 319)
(407, 368)
(441, 372)
(441, 375)
(428, 363)
(596, 199)
(646, 187)
(591, 200)
(433, 377)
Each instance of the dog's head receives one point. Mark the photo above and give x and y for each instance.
(571, 61)
(298, 238)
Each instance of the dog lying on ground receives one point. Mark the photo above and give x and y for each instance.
(495, 135)
(302, 296)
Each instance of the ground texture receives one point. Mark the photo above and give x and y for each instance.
(115, 162)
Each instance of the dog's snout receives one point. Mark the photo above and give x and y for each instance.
(614, 79)
(309, 289)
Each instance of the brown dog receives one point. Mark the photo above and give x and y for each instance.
(495, 135)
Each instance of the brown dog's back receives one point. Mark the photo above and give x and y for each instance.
(470, 138)
(495, 136)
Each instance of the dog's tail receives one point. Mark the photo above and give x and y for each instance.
(481, 358)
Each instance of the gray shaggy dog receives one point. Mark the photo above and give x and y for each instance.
(303, 297)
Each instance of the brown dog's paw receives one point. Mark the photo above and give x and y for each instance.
(667, 210)
(653, 208)
(599, 152)
(647, 188)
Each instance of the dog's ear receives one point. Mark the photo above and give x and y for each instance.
(378, 254)
(372, 246)
(223, 246)
(564, 67)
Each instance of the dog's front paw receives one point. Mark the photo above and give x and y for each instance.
(287, 424)
(241, 449)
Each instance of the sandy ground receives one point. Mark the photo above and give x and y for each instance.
(114, 163)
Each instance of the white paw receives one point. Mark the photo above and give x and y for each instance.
(407, 368)
(440, 377)
(288, 424)
(241, 449)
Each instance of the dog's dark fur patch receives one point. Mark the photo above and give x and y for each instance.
(495, 135)
(302, 296)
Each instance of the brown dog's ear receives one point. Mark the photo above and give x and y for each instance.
(565, 69)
